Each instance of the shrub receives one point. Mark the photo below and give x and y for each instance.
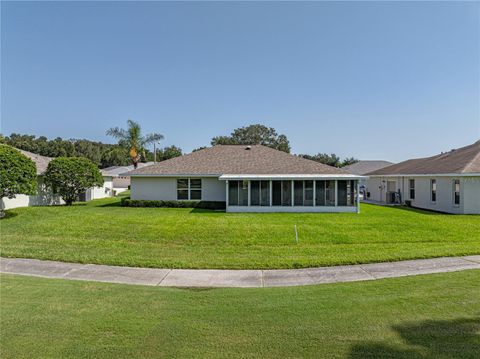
(213, 205)
(18, 174)
(71, 176)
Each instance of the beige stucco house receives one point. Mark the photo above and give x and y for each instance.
(448, 182)
(248, 179)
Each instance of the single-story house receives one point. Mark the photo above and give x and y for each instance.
(44, 196)
(121, 182)
(363, 167)
(448, 182)
(248, 179)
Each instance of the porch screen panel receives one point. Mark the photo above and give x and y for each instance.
(352, 193)
(243, 193)
(342, 193)
(330, 193)
(286, 193)
(308, 193)
(254, 193)
(320, 193)
(276, 193)
(265, 193)
(233, 193)
(298, 193)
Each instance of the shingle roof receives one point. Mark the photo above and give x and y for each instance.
(237, 159)
(362, 167)
(462, 161)
(117, 170)
(41, 162)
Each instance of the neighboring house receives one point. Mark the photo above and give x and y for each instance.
(448, 182)
(100, 192)
(44, 196)
(248, 179)
(119, 181)
(365, 166)
(361, 168)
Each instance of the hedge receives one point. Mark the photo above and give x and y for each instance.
(214, 205)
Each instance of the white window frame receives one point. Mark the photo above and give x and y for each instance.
(455, 191)
(189, 189)
(410, 189)
(432, 182)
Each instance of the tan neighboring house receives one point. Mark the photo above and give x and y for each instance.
(44, 197)
(248, 179)
(448, 182)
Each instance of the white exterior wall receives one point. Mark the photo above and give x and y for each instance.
(470, 195)
(165, 188)
(101, 192)
(43, 198)
(469, 192)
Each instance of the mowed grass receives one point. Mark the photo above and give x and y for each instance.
(103, 232)
(432, 316)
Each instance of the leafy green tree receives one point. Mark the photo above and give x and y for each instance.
(349, 161)
(166, 153)
(199, 148)
(116, 156)
(69, 177)
(94, 151)
(330, 159)
(18, 173)
(133, 141)
(254, 135)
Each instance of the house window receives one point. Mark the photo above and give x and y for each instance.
(412, 188)
(189, 189)
(433, 190)
(456, 192)
(342, 193)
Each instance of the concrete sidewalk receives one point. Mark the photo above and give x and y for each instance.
(234, 278)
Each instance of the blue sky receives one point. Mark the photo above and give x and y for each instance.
(374, 80)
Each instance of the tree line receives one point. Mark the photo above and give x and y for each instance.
(102, 154)
(132, 146)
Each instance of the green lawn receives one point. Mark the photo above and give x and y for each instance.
(103, 232)
(431, 316)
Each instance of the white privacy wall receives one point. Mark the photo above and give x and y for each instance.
(165, 188)
(44, 197)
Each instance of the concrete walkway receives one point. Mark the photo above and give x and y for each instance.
(234, 278)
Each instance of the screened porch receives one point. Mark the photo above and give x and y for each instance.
(285, 195)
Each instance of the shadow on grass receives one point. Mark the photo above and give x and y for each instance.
(110, 204)
(8, 215)
(207, 211)
(430, 339)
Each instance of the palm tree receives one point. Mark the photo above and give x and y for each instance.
(132, 140)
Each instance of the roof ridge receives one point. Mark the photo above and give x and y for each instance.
(474, 159)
